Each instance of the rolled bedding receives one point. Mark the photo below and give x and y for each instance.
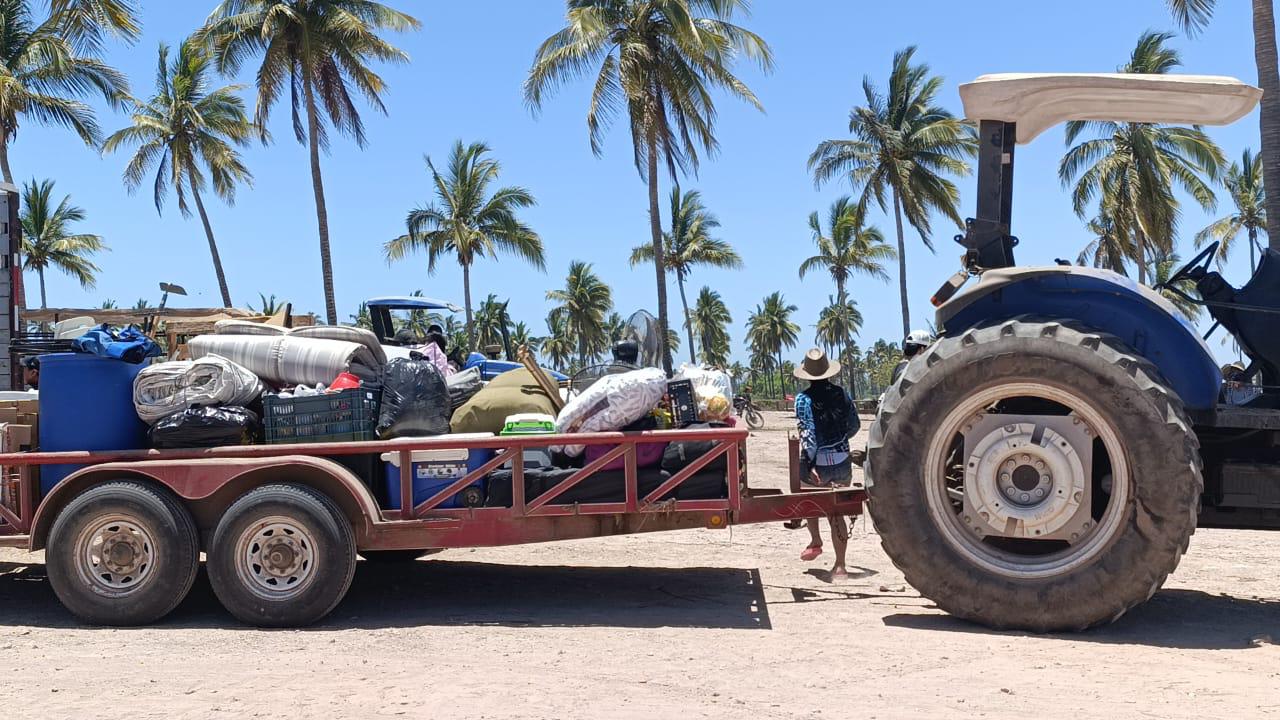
(169, 387)
(291, 360)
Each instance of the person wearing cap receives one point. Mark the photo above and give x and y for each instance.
(31, 372)
(912, 344)
(826, 418)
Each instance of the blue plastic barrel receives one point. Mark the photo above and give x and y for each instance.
(86, 403)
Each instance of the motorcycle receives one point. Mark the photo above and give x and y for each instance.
(747, 410)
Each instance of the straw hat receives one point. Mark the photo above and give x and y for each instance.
(817, 366)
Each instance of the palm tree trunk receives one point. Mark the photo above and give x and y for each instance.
(466, 302)
(1264, 52)
(4, 158)
(782, 381)
(322, 212)
(1253, 250)
(902, 265)
(688, 321)
(213, 247)
(846, 372)
(659, 259)
(1140, 247)
(43, 303)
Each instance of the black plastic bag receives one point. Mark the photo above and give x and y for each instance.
(463, 385)
(203, 427)
(415, 399)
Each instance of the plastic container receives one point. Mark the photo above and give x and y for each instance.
(530, 424)
(86, 403)
(347, 416)
(434, 470)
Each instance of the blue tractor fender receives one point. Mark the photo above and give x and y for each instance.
(1105, 301)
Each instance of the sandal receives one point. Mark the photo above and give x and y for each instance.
(811, 553)
(793, 524)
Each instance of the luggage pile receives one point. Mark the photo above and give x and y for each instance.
(253, 383)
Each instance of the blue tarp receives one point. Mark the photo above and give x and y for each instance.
(129, 344)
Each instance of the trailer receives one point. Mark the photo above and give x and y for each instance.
(281, 525)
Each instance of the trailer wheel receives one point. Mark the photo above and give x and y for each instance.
(122, 553)
(1059, 481)
(282, 556)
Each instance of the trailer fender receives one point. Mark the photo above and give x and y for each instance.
(1103, 300)
(208, 487)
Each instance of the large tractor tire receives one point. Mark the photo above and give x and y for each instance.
(1059, 482)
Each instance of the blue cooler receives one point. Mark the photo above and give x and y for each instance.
(434, 470)
(86, 403)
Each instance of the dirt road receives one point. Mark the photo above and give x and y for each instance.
(716, 624)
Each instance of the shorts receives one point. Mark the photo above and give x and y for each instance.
(839, 475)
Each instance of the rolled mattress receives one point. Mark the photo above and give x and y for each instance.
(291, 360)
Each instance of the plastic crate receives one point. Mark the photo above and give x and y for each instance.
(346, 416)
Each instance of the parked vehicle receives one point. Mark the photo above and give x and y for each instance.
(1043, 465)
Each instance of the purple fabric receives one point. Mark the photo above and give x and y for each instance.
(647, 455)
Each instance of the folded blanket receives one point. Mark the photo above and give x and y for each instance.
(169, 387)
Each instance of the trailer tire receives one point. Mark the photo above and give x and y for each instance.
(1154, 492)
(122, 553)
(281, 556)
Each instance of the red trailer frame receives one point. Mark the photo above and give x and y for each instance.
(208, 481)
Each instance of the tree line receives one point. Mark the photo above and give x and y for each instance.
(657, 64)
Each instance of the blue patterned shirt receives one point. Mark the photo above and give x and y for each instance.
(832, 454)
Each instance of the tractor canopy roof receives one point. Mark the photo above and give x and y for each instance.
(411, 302)
(1038, 101)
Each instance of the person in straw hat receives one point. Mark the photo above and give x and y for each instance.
(827, 419)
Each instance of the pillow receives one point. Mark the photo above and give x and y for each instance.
(508, 394)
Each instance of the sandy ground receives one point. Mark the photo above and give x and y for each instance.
(717, 624)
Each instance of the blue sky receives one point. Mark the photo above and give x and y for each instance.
(468, 63)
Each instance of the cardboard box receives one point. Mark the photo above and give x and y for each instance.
(17, 437)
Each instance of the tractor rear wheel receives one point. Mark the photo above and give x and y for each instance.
(1059, 483)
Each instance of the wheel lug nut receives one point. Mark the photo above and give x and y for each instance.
(1025, 458)
(1009, 492)
(1039, 465)
(1039, 492)
(1004, 477)
(1025, 497)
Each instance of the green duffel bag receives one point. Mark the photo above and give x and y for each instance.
(508, 394)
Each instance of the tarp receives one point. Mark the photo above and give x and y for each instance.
(169, 387)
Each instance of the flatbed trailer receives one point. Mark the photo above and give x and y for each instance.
(281, 525)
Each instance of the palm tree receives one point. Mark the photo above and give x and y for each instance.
(770, 331)
(837, 322)
(688, 244)
(583, 303)
(557, 346)
(1111, 246)
(903, 146)
(468, 220)
(47, 239)
(49, 63)
(142, 304)
(184, 126)
(658, 60)
(846, 248)
(491, 321)
(362, 318)
(521, 335)
(615, 327)
(108, 304)
(271, 306)
(1192, 15)
(1134, 167)
(1244, 183)
(320, 50)
(710, 321)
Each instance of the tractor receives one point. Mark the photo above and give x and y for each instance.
(1043, 464)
